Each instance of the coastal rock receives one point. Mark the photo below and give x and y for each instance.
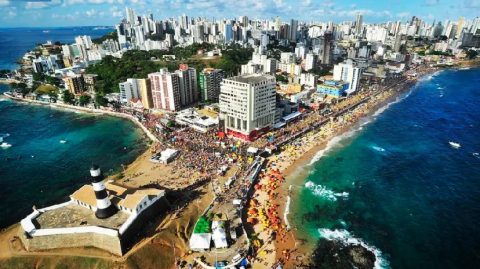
(337, 255)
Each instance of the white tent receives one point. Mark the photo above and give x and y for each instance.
(252, 150)
(200, 241)
(219, 236)
(168, 155)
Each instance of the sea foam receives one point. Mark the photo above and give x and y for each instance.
(385, 107)
(336, 140)
(346, 238)
(324, 192)
(287, 208)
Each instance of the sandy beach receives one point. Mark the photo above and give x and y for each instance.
(292, 250)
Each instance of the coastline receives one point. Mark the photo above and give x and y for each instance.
(86, 110)
(296, 171)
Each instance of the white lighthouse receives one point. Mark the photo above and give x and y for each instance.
(105, 208)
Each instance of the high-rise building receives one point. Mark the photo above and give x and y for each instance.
(359, 25)
(460, 26)
(398, 42)
(90, 80)
(84, 40)
(188, 85)
(227, 32)
(74, 84)
(128, 90)
(165, 88)
(131, 17)
(198, 33)
(311, 61)
(326, 48)
(292, 36)
(349, 73)
(209, 82)
(475, 28)
(244, 21)
(247, 105)
(184, 23)
(143, 86)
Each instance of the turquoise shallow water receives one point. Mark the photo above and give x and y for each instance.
(39, 170)
(398, 186)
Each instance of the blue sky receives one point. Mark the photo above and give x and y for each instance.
(21, 13)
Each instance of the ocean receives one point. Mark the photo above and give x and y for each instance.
(14, 42)
(395, 183)
(38, 169)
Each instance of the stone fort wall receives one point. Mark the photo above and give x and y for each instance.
(109, 243)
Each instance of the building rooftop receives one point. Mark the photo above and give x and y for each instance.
(251, 78)
(132, 200)
(85, 194)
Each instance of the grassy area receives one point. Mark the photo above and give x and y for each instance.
(203, 225)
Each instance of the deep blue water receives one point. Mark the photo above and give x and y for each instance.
(397, 184)
(39, 170)
(14, 42)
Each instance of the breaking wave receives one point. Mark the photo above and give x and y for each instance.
(346, 238)
(324, 192)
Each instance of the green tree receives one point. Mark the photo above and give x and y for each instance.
(68, 97)
(52, 80)
(111, 35)
(281, 78)
(471, 54)
(84, 100)
(38, 77)
(100, 100)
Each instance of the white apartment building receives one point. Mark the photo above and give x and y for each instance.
(349, 73)
(128, 90)
(165, 88)
(311, 61)
(247, 105)
(288, 57)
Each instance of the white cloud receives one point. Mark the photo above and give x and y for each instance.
(90, 13)
(354, 12)
(201, 4)
(95, 2)
(403, 15)
(116, 13)
(279, 3)
(4, 3)
(12, 13)
(39, 5)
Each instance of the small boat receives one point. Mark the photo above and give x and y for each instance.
(63, 141)
(5, 145)
(454, 145)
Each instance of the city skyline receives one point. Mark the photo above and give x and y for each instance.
(55, 13)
